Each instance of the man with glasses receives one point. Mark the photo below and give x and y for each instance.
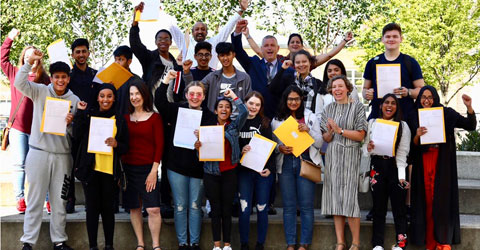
(411, 73)
(199, 34)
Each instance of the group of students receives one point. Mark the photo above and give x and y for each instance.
(257, 101)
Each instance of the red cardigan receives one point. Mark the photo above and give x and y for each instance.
(145, 141)
(23, 118)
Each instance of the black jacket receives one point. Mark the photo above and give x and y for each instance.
(85, 162)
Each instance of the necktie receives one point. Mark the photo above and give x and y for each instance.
(269, 77)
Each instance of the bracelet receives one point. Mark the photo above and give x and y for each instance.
(345, 40)
(249, 37)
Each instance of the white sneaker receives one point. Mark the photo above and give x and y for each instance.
(216, 248)
(396, 248)
(378, 248)
(227, 248)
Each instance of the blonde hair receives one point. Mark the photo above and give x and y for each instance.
(195, 84)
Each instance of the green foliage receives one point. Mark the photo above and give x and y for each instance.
(103, 23)
(320, 22)
(469, 142)
(442, 35)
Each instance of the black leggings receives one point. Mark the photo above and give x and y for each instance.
(100, 200)
(220, 191)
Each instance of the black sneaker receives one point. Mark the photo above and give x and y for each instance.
(70, 208)
(62, 246)
(27, 246)
(272, 210)
(109, 248)
(195, 246)
(259, 246)
(184, 247)
(94, 248)
(245, 246)
(370, 215)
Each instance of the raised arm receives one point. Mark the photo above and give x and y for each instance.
(27, 88)
(223, 33)
(8, 68)
(321, 59)
(240, 53)
(138, 49)
(164, 107)
(469, 122)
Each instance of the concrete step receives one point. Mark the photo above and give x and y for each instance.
(323, 238)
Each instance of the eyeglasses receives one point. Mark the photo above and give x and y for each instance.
(193, 95)
(206, 55)
(430, 98)
(163, 39)
(294, 99)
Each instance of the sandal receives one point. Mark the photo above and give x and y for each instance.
(291, 247)
(343, 245)
(157, 247)
(354, 247)
(304, 246)
(139, 246)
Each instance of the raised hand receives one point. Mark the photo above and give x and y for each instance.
(139, 7)
(187, 65)
(36, 55)
(230, 94)
(348, 36)
(421, 131)
(13, 33)
(172, 74)
(286, 64)
(81, 105)
(246, 32)
(241, 25)
(244, 4)
(467, 100)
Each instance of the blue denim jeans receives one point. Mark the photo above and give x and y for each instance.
(296, 192)
(18, 151)
(249, 183)
(187, 198)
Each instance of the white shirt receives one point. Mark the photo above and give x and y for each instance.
(188, 53)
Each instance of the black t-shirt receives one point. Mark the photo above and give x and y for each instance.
(406, 103)
(252, 127)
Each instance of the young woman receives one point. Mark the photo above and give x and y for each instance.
(20, 129)
(295, 44)
(434, 198)
(141, 164)
(251, 182)
(334, 68)
(100, 172)
(388, 176)
(311, 87)
(220, 178)
(343, 126)
(296, 190)
(184, 171)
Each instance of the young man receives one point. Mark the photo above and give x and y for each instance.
(260, 70)
(411, 73)
(123, 56)
(49, 161)
(228, 77)
(203, 54)
(199, 34)
(83, 86)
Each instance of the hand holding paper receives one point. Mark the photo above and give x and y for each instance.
(55, 112)
(388, 78)
(212, 143)
(257, 153)
(291, 136)
(434, 122)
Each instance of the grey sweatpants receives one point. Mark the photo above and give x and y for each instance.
(46, 172)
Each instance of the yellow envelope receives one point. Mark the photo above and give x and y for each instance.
(115, 74)
(289, 134)
(391, 123)
(55, 124)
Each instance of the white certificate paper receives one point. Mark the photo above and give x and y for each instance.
(54, 116)
(384, 136)
(212, 139)
(188, 120)
(260, 150)
(388, 78)
(100, 130)
(151, 10)
(433, 120)
(58, 52)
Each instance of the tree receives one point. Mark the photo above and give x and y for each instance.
(103, 23)
(442, 35)
(320, 22)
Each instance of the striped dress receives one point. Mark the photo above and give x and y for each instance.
(342, 162)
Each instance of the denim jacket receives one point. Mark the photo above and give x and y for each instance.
(232, 134)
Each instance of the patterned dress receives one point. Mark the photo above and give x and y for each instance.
(342, 163)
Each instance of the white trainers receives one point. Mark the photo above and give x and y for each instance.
(396, 248)
(378, 248)
(216, 248)
(227, 248)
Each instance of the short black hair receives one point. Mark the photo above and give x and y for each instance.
(163, 30)
(59, 67)
(203, 45)
(391, 26)
(295, 35)
(80, 42)
(224, 48)
(123, 50)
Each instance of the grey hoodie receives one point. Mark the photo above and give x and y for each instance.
(38, 93)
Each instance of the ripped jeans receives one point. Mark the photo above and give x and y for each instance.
(187, 198)
(251, 183)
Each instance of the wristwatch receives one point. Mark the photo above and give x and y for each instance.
(341, 133)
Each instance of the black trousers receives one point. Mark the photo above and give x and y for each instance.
(220, 191)
(100, 201)
(387, 185)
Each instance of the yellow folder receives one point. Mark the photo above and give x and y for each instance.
(115, 74)
(289, 134)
